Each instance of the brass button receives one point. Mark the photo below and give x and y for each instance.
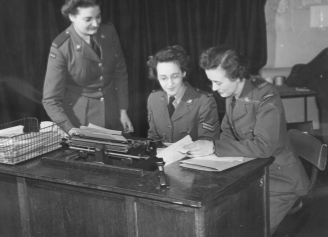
(170, 127)
(99, 89)
(100, 64)
(101, 78)
(102, 99)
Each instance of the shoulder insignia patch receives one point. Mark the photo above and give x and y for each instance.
(211, 127)
(61, 39)
(259, 82)
(52, 55)
(268, 95)
(204, 92)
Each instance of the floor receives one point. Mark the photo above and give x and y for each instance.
(312, 220)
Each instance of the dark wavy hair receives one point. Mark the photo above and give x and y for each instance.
(70, 6)
(235, 64)
(174, 54)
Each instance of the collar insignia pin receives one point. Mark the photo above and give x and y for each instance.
(78, 46)
(102, 36)
(246, 99)
(189, 101)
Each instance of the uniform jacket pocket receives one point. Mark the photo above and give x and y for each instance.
(75, 107)
(248, 130)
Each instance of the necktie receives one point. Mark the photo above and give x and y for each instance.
(233, 102)
(170, 106)
(95, 46)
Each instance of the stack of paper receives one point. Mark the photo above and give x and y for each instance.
(11, 148)
(213, 163)
(12, 131)
(100, 132)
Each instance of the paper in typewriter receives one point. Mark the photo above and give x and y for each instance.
(213, 163)
(103, 133)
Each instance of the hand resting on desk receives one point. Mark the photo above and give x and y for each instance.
(200, 148)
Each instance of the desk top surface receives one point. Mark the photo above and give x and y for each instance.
(188, 187)
(287, 91)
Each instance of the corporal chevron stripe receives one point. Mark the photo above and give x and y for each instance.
(211, 127)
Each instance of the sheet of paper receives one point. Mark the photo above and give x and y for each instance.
(213, 157)
(45, 124)
(105, 130)
(214, 163)
(189, 166)
(171, 154)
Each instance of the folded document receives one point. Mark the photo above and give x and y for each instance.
(172, 153)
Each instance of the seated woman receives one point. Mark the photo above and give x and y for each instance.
(179, 110)
(254, 126)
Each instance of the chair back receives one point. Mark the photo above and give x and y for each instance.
(306, 126)
(311, 149)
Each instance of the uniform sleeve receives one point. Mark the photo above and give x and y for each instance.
(264, 134)
(54, 88)
(120, 74)
(152, 132)
(226, 133)
(209, 124)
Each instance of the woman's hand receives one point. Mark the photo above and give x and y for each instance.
(200, 148)
(72, 131)
(125, 120)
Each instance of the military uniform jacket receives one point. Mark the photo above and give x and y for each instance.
(256, 127)
(196, 115)
(79, 86)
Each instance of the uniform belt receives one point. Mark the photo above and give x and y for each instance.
(81, 90)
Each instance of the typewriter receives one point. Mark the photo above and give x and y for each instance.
(112, 148)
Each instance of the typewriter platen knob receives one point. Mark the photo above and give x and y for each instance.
(162, 179)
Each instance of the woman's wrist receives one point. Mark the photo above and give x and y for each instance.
(123, 111)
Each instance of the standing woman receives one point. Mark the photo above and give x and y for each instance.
(254, 126)
(86, 80)
(178, 109)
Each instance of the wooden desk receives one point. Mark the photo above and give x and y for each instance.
(291, 92)
(38, 200)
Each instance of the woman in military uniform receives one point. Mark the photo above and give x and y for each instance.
(86, 80)
(254, 126)
(178, 109)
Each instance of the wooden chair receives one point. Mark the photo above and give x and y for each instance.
(302, 126)
(314, 152)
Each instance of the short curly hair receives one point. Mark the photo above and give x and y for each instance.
(70, 6)
(174, 54)
(235, 64)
